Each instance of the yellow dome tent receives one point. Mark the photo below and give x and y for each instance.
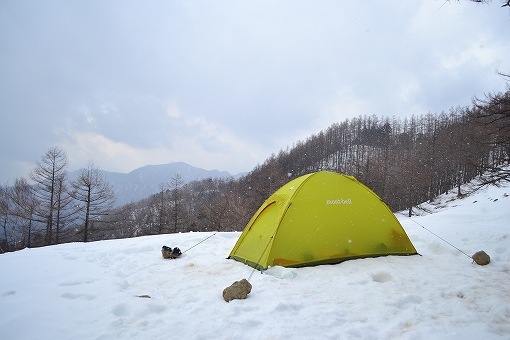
(320, 218)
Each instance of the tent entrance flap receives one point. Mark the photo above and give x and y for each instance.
(255, 242)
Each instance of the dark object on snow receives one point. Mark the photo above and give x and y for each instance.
(238, 290)
(169, 253)
(481, 258)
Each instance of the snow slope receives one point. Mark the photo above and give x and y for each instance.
(92, 291)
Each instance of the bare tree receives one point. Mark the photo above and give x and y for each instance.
(25, 206)
(176, 184)
(504, 3)
(493, 112)
(46, 176)
(4, 215)
(66, 211)
(228, 208)
(218, 211)
(160, 203)
(94, 194)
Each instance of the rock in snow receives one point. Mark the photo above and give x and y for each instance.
(481, 258)
(237, 290)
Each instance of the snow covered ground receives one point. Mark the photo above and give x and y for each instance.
(125, 289)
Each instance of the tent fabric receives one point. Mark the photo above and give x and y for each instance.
(319, 218)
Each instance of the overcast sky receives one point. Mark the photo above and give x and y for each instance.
(223, 84)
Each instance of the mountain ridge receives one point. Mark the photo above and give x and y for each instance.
(142, 182)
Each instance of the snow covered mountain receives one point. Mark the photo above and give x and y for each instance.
(143, 182)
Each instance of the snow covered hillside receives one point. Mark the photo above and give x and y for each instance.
(125, 289)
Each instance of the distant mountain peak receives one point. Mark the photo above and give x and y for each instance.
(145, 181)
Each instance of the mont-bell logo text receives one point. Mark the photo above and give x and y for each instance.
(339, 201)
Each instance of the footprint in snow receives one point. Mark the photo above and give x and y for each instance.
(382, 277)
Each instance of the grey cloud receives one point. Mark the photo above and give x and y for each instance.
(259, 73)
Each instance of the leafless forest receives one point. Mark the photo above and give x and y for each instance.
(404, 161)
